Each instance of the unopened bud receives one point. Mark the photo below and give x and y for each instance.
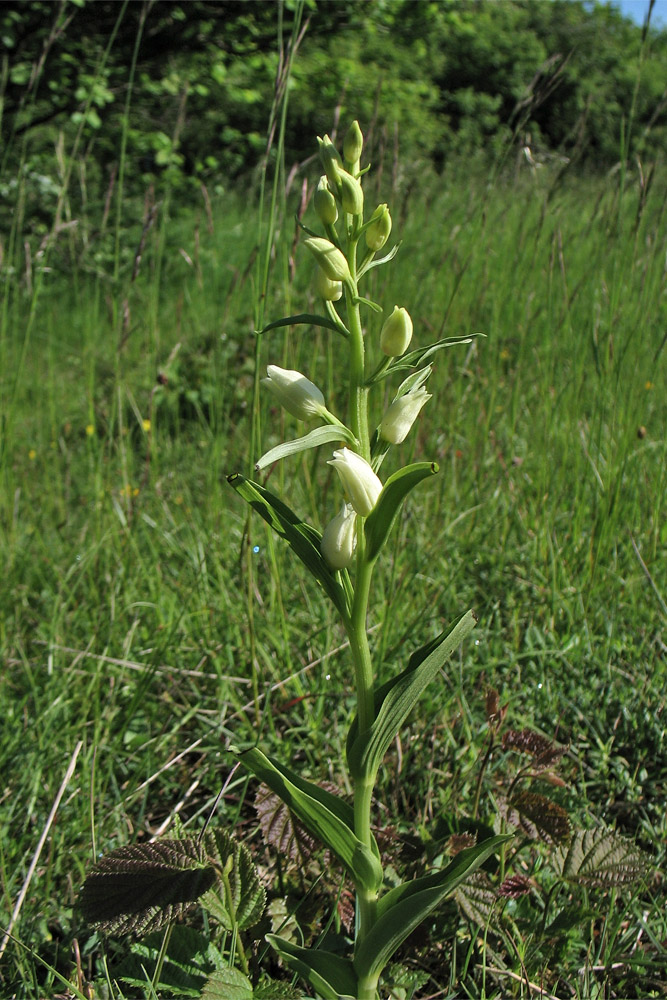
(339, 538)
(396, 333)
(330, 258)
(294, 391)
(402, 414)
(331, 160)
(353, 144)
(330, 291)
(351, 194)
(359, 481)
(379, 228)
(325, 203)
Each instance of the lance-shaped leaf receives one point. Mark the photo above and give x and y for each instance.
(302, 538)
(403, 909)
(316, 438)
(324, 815)
(396, 699)
(330, 975)
(141, 887)
(379, 521)
(304, 319)
(414, 359)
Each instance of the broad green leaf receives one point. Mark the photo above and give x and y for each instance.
(379, 521)
(227, 984)
(332, 976)
(141, 887)
(321, 435)
(403, 909)
(396, 699)
(302, 538)
(324, 815)
(301, 319)
(248, 898)
(601, 858)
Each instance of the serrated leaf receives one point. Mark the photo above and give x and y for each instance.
(396, 699)
(302, 538)
(324, 815)
(476, 899)
(600, 858)
(514, 887)
(544, 752)
(379, 521)
(403, 909)
(280, 829)
(183, 969)
(227, 984)
(248, 895)
(332, 976)
(315, 439)
(141, 887)
(537, 816)
(301, 319)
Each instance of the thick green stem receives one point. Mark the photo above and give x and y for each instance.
(357, 625)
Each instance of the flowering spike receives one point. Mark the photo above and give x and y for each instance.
(359, 481)
(353, 145)
(396, 333)
(379, 228)
(401, 415)
(325, 203)
(297, 394)
(331, 160)
(351, 194)
(330, 258)
(339, 538)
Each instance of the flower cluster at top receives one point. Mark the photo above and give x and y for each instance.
(339, 193)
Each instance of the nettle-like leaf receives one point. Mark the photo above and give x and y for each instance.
(477, 899)
(248, 895)
(601, 858)
(281, 830)
(514, 886)
(230, 984)
(537, 816)
(141, 887)
(544, 752)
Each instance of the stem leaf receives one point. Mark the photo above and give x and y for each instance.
(324, 815)
(302, 319)
(403, 908)
(332, 976)
(395, 700)
(302, 538)
(379, 521)
(321, 435)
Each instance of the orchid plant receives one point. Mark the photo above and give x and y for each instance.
(343, 558)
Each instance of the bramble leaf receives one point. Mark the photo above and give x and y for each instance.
(600, 858)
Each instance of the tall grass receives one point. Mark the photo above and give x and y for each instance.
(129, 391)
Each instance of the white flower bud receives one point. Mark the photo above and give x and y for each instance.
(353, 143)
(339, 539)
(325, 203)
(294, 391)
(359, 481)
(396, 333)
(331, 160)
(379, 228)
(330, 258)
(330, 291)
(351, 194)
(402, 414)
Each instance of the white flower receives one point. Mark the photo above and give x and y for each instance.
(330, 258)
(359, 481)
(294, 391)
(402, 414)
(396, 333)
(339, 538)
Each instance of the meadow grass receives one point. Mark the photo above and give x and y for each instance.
(127, 396)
